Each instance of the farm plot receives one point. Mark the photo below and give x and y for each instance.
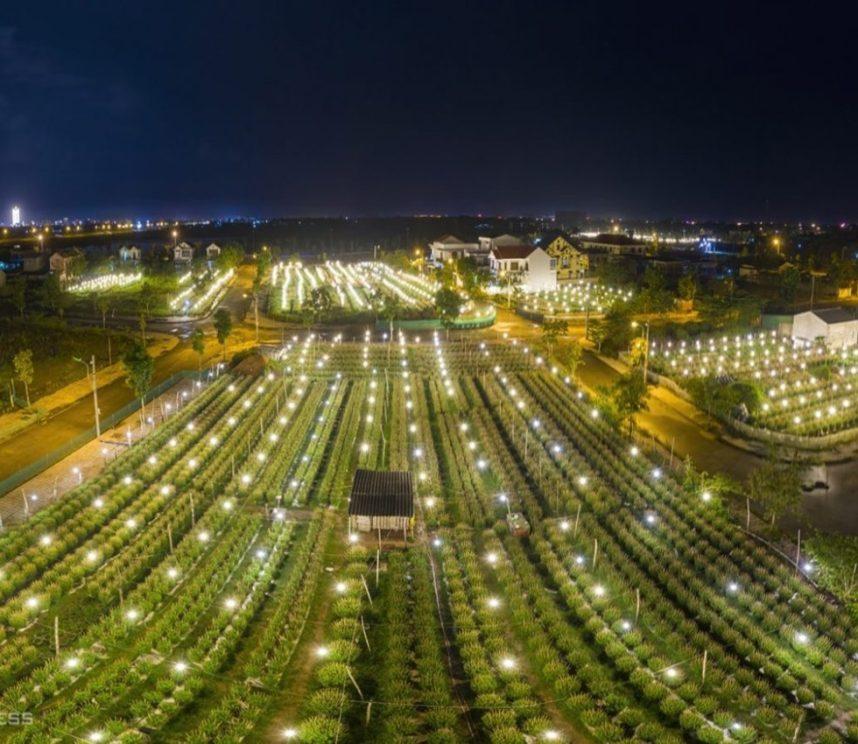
(570, 299)
(794, 387)
(207, 589)
(358, 293)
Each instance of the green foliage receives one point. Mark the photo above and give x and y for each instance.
(776, 487)
(720, 399)
(231, 255)
(139, 368)
(320, 302)
(552, 332)
(223, 326)
(569, 355)
(447, 302)
(790, 279)
(23, 364)
(687, 287)
(52, 295)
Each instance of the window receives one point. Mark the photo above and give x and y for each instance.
(552, 264)
(513, 265)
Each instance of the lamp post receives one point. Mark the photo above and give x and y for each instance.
(94, 393)
(646, 348)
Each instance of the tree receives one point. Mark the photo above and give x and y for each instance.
(447, 302)
(16, 290)
(52, 295)
(776, 487)
(198, 344)
(23, 364)
(230, 256)
(687, 288)
(790, 278)
(320, 302)
(139, 368)
(628, 394)
(390, 307)
(143, 313)
(552, 331)
(569, 355)
(223, 327)
(103, 304)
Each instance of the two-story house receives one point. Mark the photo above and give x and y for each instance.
(528, 266)
(183, 253)
(572, 263)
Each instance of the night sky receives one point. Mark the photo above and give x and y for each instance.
(194, 109)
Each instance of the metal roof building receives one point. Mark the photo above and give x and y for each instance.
(381, 500)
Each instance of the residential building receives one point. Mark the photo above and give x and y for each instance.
(129, 253)
(528, 266)
(837, 327)
(615, 244)
(31, 261)
(183, 253)
(63, 263)
(572, 263)
(449, 246)
(212, 251)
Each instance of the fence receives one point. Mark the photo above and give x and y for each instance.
(21, 476)
(429, 324)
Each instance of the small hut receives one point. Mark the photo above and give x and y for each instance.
(381, 500)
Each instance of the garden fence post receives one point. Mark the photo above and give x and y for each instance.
(703, 672)
(170, 536)
(577, 519)
(26, 504)
(798, 550)
(595, 551)
(366, 588)
(365, 636)
(637, 604)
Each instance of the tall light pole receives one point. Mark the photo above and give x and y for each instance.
(94, 393)
(646, 348)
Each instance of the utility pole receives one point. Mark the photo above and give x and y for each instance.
(95, 401)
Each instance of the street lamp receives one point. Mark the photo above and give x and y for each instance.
(646, 347)
(94, 393)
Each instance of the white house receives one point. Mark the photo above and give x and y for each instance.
(212, 251)
(449, 246)
(183, 253)
(836, 326)
(529, 266)
(129, 253)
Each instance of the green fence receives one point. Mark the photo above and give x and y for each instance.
(21, 476)
(430, 324)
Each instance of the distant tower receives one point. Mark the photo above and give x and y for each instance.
(16, 216)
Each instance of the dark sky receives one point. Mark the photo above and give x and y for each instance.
(699, 110)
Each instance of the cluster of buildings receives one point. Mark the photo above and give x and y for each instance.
(69, 262)
(536, 265)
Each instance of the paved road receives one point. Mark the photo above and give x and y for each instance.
(39, 440)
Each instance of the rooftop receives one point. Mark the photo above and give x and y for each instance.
(382, 493)
(832, 315)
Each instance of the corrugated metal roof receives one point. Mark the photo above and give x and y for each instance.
(382, 493)
(834, 315)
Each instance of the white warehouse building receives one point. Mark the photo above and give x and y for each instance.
(837, 327)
